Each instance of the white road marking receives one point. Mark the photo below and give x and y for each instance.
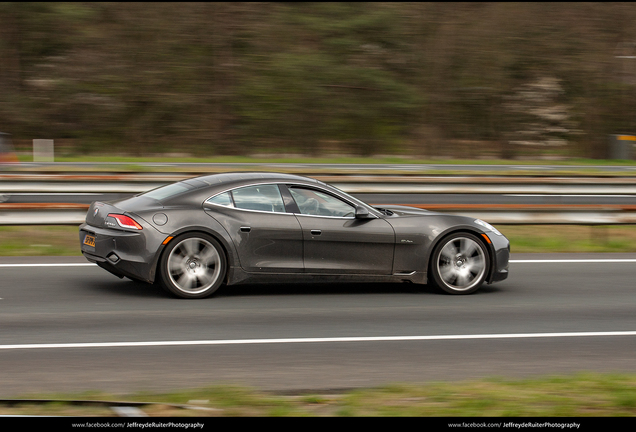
(49, 265)
(574, 261)
(54, 193)
(313, 340)
(572, 195)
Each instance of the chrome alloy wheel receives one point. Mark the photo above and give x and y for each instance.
(194, 266)
(461, 264)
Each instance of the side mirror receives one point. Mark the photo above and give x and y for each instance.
(363, 213)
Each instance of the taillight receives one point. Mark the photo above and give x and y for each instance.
(125, 221)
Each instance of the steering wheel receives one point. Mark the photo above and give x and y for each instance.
(311, 206)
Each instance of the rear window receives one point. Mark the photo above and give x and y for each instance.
(261, 197)
(165, 192)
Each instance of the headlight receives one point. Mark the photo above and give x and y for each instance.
(487, 226)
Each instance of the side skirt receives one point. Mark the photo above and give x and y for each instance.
(239, 276)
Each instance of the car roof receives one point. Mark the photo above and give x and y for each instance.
(242, 178)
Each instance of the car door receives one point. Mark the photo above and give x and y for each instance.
(334, 241)
(267, 238)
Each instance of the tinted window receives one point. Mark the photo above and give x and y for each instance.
(311, 202)
(223, 199)
(260, 197)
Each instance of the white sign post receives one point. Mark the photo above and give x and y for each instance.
(43, 150)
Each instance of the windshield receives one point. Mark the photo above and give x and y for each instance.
(354, 200)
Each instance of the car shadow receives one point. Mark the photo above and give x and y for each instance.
(339, 288)
(316, 289)
(131, 288)
(127, 287)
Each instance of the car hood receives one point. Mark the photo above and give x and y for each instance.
(408, 211)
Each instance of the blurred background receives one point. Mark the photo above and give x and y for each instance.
(521, 114)
(430, 80)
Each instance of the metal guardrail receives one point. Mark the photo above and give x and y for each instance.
(135, 183)
(310, 169)
(74, 214)
(504, 214)
(42, 214)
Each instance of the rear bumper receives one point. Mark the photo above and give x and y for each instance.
(122, 253)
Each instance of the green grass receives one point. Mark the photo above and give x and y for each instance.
(39, 241)
(570, 238)
(573, 167)
(64, 240)
(579, 395)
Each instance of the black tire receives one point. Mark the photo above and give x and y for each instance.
(192, 266)
(459, 263)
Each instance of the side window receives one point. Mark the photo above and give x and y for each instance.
(260, 197)
(312, 202)
(223, 199)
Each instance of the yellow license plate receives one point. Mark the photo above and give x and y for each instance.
(89, 240)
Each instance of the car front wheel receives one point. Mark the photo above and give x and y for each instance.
(459, 263)
(193, 266)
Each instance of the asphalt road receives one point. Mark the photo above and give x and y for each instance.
(76, 327)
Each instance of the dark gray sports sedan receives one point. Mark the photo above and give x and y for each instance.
(196, 234)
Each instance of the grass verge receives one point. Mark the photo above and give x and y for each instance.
(570, 167)
(64, 240)
(580, 395)
(570, 238)
(39, 241)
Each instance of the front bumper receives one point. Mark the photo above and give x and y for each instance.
(501, 249)
(122, 253)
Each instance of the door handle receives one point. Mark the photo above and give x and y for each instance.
(246, 229)
(316, 232)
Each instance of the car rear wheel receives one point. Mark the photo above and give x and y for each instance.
(459, 263)
(193, 266)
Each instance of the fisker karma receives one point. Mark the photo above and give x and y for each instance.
(195, 235)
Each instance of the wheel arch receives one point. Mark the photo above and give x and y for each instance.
(490, 271)
(229, 256)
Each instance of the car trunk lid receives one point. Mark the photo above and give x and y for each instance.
(98, 211)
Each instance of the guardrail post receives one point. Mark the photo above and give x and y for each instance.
(599, 234)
